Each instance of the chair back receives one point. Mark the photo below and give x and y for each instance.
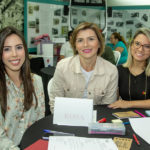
(49, 86)
(117, 55)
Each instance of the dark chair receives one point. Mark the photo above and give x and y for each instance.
(47, 74)
(36, 64)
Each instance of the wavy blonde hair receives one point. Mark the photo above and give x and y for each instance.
(128, 64)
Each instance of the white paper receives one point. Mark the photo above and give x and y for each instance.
(80, 143)
(141, 126)
(47, 49)
(73, 111)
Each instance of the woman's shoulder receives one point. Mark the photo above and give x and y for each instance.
(121, 44)
(107, 65)
(122, 69)
(66, 62)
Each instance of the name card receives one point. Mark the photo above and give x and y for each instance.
(73, 111)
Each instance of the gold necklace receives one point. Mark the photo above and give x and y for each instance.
(144, 92)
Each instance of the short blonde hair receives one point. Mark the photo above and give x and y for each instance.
(146, 32)
(84, 26)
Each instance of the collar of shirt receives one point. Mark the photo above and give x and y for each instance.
(99, 66)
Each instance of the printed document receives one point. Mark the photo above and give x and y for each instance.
(80, 143)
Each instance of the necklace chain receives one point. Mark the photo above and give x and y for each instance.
(130, 86)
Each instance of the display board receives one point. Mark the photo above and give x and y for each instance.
(44, 17)
(126, 20)
(55, 19)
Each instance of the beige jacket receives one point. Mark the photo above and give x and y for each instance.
(68, 81)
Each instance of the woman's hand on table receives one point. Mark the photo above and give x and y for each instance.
(119, 104)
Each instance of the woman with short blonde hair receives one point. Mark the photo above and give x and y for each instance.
(86, 74)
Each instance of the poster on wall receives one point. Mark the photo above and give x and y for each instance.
(49, 18)
(126, 22)
(81, 14)
(45, 18)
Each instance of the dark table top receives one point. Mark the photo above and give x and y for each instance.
(35, 132)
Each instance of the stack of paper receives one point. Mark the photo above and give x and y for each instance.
(80, 143)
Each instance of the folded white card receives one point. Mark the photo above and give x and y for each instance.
(73, 111)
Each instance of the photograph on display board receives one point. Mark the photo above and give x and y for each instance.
(37, 21)
(64, 30)
(36, 7)
(54, 31)
(129, 34)
(84, 13)
(30, 8)
(32, 40)
(57, 12)
(135, 15)
(37, 30)
(117, 15)
(144, 17)
(108, 28)
(31, 24)
(55, 21)
(64, 19)
(75, 21)
(119, 24)
(113, 30)
(139, 25)
(74, 11)
(110, 23)
(129, 22)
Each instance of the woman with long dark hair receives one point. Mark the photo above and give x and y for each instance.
(118, 44)
(21, 93)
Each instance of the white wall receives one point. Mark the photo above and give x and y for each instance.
(128, 2)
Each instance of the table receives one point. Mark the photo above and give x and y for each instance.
(47, 73)
(35, 132)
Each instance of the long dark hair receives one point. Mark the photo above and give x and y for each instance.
(25, 73)
(119, 37)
